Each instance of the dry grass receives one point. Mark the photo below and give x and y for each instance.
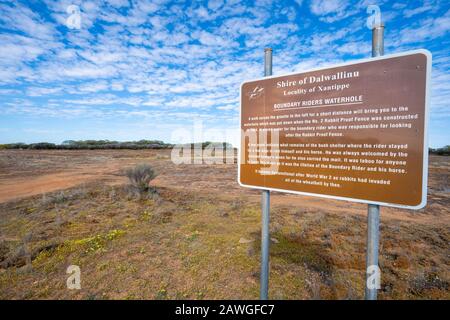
(180, 243)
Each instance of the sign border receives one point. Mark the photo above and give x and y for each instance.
(423, 202)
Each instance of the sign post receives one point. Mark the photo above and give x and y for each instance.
(265, 206)
(355, 132)
(373, 211)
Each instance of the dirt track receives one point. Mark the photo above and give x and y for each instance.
(27, 173)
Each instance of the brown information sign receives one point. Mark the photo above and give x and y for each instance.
(355, 132)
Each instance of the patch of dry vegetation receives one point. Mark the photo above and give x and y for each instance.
(180, 243)
(174, 245)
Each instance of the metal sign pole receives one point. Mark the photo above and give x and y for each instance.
(378, 41)
(265, 204)
(373, 212)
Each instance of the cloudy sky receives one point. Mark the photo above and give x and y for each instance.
(142, 69)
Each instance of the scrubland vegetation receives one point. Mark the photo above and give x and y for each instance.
(444, 151)
(90, 145)
(104, 144)
(195, 234)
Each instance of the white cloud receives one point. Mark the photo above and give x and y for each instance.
(210, 39)
(215, 4)
(20, 51)
(324, 7)
(355, 48)
(229, 107)
(427, 29)
(10, 92)
(101, 58)
(119, 3)
(331, 10)
(94, 86)
(85, 70)
(41, 91)
(106, 99)
(23, 19)
(426, 6)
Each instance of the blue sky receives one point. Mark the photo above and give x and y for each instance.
(142, 69)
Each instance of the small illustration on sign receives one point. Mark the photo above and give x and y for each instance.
(255, 93)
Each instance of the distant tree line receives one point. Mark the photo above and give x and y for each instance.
(141, 144)
(91, 145)
(444, 151)
(217, 145)
(105, 144)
